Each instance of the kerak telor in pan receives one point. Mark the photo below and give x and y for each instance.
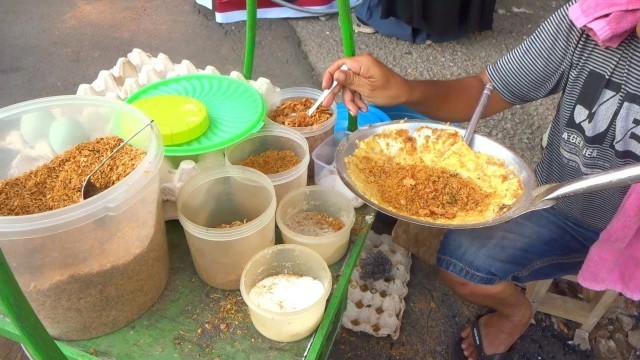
(532, 197)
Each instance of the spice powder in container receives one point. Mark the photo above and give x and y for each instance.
(272, 161)
(315, 128)
(286, 292)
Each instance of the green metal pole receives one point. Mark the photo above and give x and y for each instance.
(250, 42)
(348, 44)
(35, 338)
(321, 347)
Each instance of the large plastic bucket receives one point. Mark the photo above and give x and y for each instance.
(90, 268)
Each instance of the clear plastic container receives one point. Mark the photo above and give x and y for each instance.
(325, 173)
(93, 267)
(286, 259)
(320, 199)
(277, 138)
(222, 196)
(315, 135)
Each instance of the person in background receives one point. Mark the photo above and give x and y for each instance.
(419, 21)
(595, 128)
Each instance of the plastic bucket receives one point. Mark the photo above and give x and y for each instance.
(90, 268)
(315, 135)
(220, 196)
(278, 138)
(286, 326)
(331, 246)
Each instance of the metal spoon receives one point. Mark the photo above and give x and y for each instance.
(482, 104)
(325, 93)
(89, 189)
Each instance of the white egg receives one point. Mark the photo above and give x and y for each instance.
(65, 133)
(34, 126)
(211, 70)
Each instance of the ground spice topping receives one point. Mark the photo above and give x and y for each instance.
(420, 190)
(298, 108)
(58, 183)
(314, 223)
(272, 161)
(432, 174)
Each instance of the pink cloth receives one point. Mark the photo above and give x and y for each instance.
(613, 261)
(607, 21)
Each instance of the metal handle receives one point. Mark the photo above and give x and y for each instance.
(118, 148)
(622, 176)
(482, 104)
(325, 93)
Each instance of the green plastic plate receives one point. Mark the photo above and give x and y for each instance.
(234, 107)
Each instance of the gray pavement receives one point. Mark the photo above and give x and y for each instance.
(50, 47)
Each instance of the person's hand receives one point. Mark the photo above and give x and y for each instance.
(367, 80)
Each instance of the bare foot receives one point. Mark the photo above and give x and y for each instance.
(499, 332)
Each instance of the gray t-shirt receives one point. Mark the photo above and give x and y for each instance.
(597, 124)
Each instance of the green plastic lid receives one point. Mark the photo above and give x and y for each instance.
(235, 109)
(179, 118)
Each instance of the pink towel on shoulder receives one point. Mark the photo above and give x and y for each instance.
(607, 21)
(613, 261)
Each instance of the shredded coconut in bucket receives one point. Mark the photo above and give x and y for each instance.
(286, 292)
(58, 183)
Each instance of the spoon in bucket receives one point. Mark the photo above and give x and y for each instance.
(89, 188)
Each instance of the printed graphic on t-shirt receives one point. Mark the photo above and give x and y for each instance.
(605, 125)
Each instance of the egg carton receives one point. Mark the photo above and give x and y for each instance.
(377, 307)
(140, 68)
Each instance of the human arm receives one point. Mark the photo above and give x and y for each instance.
(537, 68)
(369, 80)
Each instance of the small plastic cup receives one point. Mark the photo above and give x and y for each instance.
(325, 173)
(278, 138)
(222, 196)
(316, 134)
(331, 246)
(324, 156)
(286, 259)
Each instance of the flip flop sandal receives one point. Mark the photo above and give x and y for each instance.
(455, 353)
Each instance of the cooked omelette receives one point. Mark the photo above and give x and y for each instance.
(432, 175)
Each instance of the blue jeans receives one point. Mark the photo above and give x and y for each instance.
(541, 244)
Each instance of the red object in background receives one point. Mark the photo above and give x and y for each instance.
(235, 10)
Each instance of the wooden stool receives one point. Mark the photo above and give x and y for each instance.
(586, 312)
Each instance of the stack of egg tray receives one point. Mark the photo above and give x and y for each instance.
(376, 307)
(140, 68)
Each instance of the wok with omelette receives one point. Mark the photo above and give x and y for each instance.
(423, 172)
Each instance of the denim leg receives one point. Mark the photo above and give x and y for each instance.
(541, 244)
